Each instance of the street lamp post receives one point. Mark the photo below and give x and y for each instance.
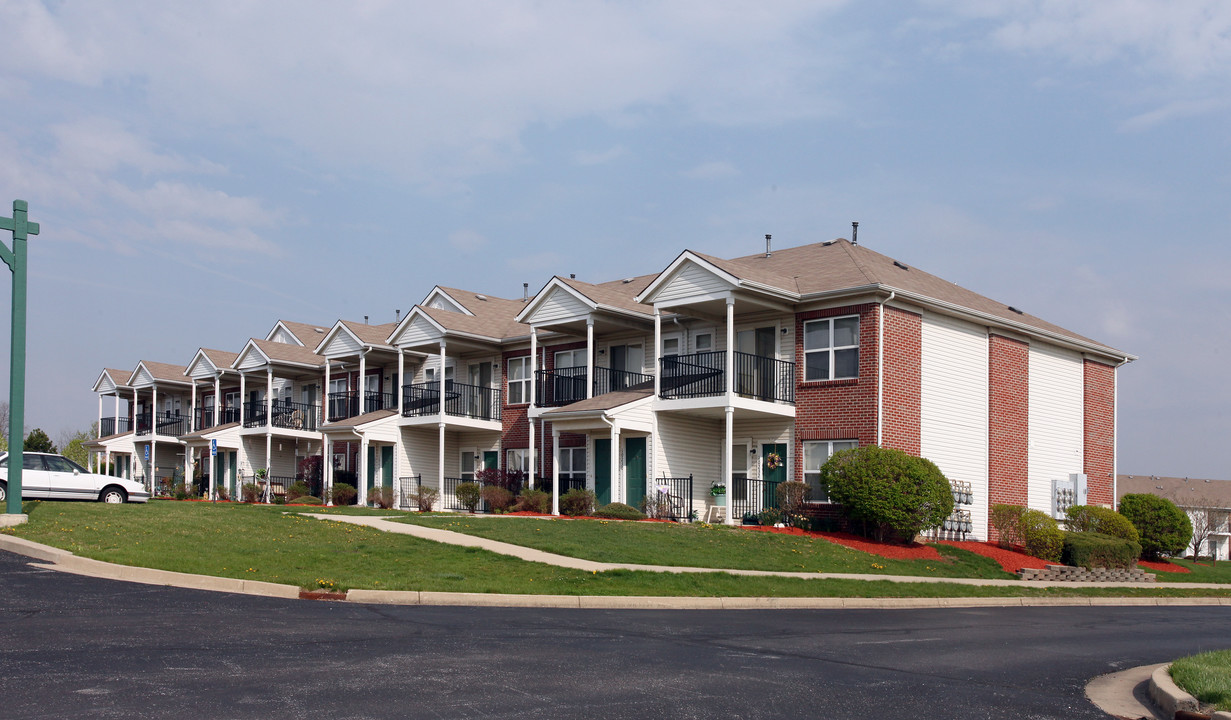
(16, 260)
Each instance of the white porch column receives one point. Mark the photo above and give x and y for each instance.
(100, 418)
(361, 391)
(192, 420)
(658, 349)
(117, 413)
(619, 487)
(325, 394)
(362, 480)
(401, 380)
(555, 471)
(269, 442)
(243, 398)
(730, 389)
(534, 348)
(107, 466)
(589, 357)
(726, 461)
(269, 427)
(154, 411)
(730, 408)
(217, 398)
(153, 434)
(187, 466)
(440, 449)
(327, 470)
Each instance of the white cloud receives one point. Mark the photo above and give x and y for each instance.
(1172, 111)
(715, 170)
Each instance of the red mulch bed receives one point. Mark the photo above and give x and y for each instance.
(914, 551)
(1010, 560)
(1163, 566)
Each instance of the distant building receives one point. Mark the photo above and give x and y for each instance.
(1207, 502)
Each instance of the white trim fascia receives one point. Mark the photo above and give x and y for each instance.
(155, 380)
(200, 355)
(647, 294)
(694, 299)
(274, 331)
(416, 311)
(436, 289)
(116, 386)
(555, 282)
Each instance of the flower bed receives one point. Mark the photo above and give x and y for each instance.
(914, 551)
(1010, 560)
(1163, 566)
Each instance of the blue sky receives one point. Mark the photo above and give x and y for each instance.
(203, 169)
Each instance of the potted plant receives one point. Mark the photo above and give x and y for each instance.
(718, 491)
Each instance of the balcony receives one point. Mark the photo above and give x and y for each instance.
(472, 401)
(114, 426)
(164, 423)
(286, 415)
(346, 404)
(205, 417)
(704, 375)
(556, 388)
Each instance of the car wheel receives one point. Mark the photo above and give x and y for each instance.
(113, 495)
(4, 492)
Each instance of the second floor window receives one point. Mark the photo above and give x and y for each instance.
(519, 380)
(831, 348)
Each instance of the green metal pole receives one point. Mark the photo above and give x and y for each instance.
(16, 260)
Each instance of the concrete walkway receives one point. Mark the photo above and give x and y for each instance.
(540, 556)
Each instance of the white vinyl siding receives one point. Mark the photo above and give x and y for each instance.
(417, 331)
(1056, 423)
(953, 397)
(691, 280)
(688, 446)
(341, 345)
(558, 305)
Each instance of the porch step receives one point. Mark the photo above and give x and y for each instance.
(716, 515)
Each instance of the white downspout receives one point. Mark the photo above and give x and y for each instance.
(880, 369)
(1115, 432)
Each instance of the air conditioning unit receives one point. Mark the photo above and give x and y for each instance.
(1068, 492)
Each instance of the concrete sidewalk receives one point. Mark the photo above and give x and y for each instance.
(540, 556)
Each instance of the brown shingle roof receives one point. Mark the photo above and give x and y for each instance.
(371, 334)
(355, 422)
(307, 333)
(120, 377)
(282, 352)
(220, 358)
(210, 431)
(165, 371)
(617, 293)
(1185, 492)
(606, 401)
(494, 317)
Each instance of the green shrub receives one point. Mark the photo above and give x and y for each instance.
(181, 492)
(424, 498)
(803, 522)
(251, 492)
(307, 500)
(537, 501)
(792, 496)
(1041, 535)
(619, 511)
(893, 494)
(343, 494)
(769, 517)
(296, 491)
(1007, 520)
(469, 494)
(1097, 550)
(1164, 528)
(499, 499)
(1095, 519)
(578, 501)
(381, 497)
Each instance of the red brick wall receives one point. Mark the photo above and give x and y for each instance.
(903, 353)
(836, 409)
(1008, 422)
(1100, 396)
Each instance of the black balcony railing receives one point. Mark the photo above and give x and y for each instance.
(462, 400)
(207, 418)
(562, 386)
(670, 498)
(114, 426)
(143, 423)
(172, 423)
(610, 380)
(704, 375)
(342, 405)
(286, 415)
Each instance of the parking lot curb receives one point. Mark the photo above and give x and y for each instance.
(1167, 695)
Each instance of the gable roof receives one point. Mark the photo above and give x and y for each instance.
(837, 267)
(361, 334)
(618, 296)
(493, 319)
(306, 334)
(447, 295)
(276, 352)
(1185, 492)
(159, 373)
(111, 379)
(219, 360)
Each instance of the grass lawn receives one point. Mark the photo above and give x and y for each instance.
(1206, 677)
(701, 545)
(265, 543)
(1220, 572)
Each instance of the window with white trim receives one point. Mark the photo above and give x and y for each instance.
(703, 342)
(831, 348)
(517, 459)
(816, 452)
(573, 466)
(519, 380)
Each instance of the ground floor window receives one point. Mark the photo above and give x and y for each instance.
(517, 459)
(572, 468)
(816, 452)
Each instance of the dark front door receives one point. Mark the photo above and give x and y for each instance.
(370, 471)
(774, 476)
(386, 466)
(602, 472)
(634, 470)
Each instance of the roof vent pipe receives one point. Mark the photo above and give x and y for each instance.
(767, 239)
(572, 276)
(855, 232)
(525, 292)
(365, 319)
(397, 315)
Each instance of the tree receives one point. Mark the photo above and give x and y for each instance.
(73, 444)
(37, 441)
(1165, 529)
(894, 493)
(4, 425)
(1206, 521)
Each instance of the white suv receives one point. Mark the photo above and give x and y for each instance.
(55, 477)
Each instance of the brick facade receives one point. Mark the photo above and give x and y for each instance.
(903, 373)
(1008, 437)
(1099, 426)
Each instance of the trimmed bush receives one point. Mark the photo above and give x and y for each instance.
(469, 494)
(307, 500)
(769, 517)
(894, 494)
(578, 501)
(424, 498)
(792, 496)
(1096, 550)
(1007, 520)
(1041, 535)
(1164, 528)
(381, 497)
(499, 499)
(619, 511)
(1095, 519)
(537, 501)
(251, 492)
(343, 494)
(296, 491)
